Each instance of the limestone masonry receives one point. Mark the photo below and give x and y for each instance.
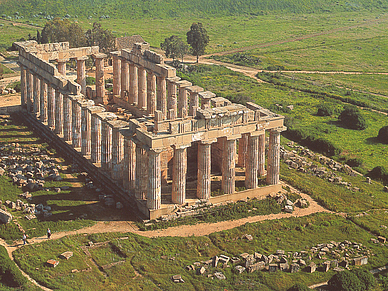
(161, 139)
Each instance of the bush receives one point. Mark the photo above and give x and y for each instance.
(9, 273)
(378, 173)
(383, 134)
(90, 81)
(366, 278)
(345, 281)
(354, 162)
(17, 86)
(299, 287)
(324, 110)
(352, 118)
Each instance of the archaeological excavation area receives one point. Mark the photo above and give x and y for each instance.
(164, 142)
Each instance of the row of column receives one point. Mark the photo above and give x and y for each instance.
(149, 92)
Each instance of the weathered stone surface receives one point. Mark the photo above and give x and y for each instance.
(66, 255)
(219, 276)
(52, 263)
(5, 217)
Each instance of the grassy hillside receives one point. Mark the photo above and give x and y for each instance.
(169, 9)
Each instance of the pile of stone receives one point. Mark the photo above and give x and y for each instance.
(289, 205)
(334, 255)
(6, 91)
(5, 216)
(306, 161)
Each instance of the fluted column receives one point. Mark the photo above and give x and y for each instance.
(23, 85)
(36, 95)
(179, 172)
(172, 98)
(129, 170)
(133, 84)
(43, 100)
(58, 112)
(273, 157)
(124, 91)
(100, 84)
(182, 104)
(81, 73)
(162, 96)
(142, 93)
(117, 153)
(67, 120)
(96, 139)
(77, 136)
(261, 153)
(85, 131)
(252, 162)
(62, 66)
(242, 150)
(106, 145)
(29, 89)
(229, 166)
(116, 73)
(204, 170)
(50, 107)
(154, 193)
(141, 172)
(151, 93)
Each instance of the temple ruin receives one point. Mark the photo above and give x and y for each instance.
(162, 140)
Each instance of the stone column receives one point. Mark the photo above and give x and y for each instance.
(261, 158)
(43, 100)
(194, 99)
(67, 118)
(142, 93)
(242, 150)
(171, 101)
(154, 193)
(30, 84)
(77, 137)
(151, 93)
(252, 162)
(106, 145)
(85, 131)
(204, 170)
(117, 153)
(129, 171)
(58, 112)
(206, 97)
(36, 95)
(50, 107)
(141, 172)
(124, 91)
(81, 73)
(23, 85)
(273, 157)
(116, 73)
(100, 84)
(162, 96)
(179, 172)
(95, 139)
(133, 84)
(62, 66)
(229, 166)
(182, 102)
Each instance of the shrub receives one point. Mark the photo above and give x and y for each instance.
(378, 173)
(17, 86)
(345, 281)
(9, 273)
(352, 118)
(366, 278)
(354, 162)
(324, 110)
(299, 287)
(383, 134)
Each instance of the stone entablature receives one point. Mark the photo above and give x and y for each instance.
(155, 131)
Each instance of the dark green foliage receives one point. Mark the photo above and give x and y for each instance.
(90, 81)
(102, 37)
(345, 281)
(242, 59)
(383, 134)
(198, 39)
(324, 109)
(174, 47)
(366, 278)
(378, 173)
(58, 30)
(9, 273)
(352, 118)
(354, 162)
(299, 287)
(16, 86)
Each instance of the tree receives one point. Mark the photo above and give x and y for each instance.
(345, 281)
(198, 39)
(383, 134)
(299, 287)
(351, 118)
(324, 110)
(102, 37)
(174, 47)
(58, 30)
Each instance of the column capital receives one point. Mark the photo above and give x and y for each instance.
(62, 60)
(173, 79)
(182, 146)
(116, 53)
(208, 141)
(99, 56)
(233, 137)
(155, 151)
(279, 129)
(83, 58)
(257, 132)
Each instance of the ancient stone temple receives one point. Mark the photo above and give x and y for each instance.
(162, 140)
